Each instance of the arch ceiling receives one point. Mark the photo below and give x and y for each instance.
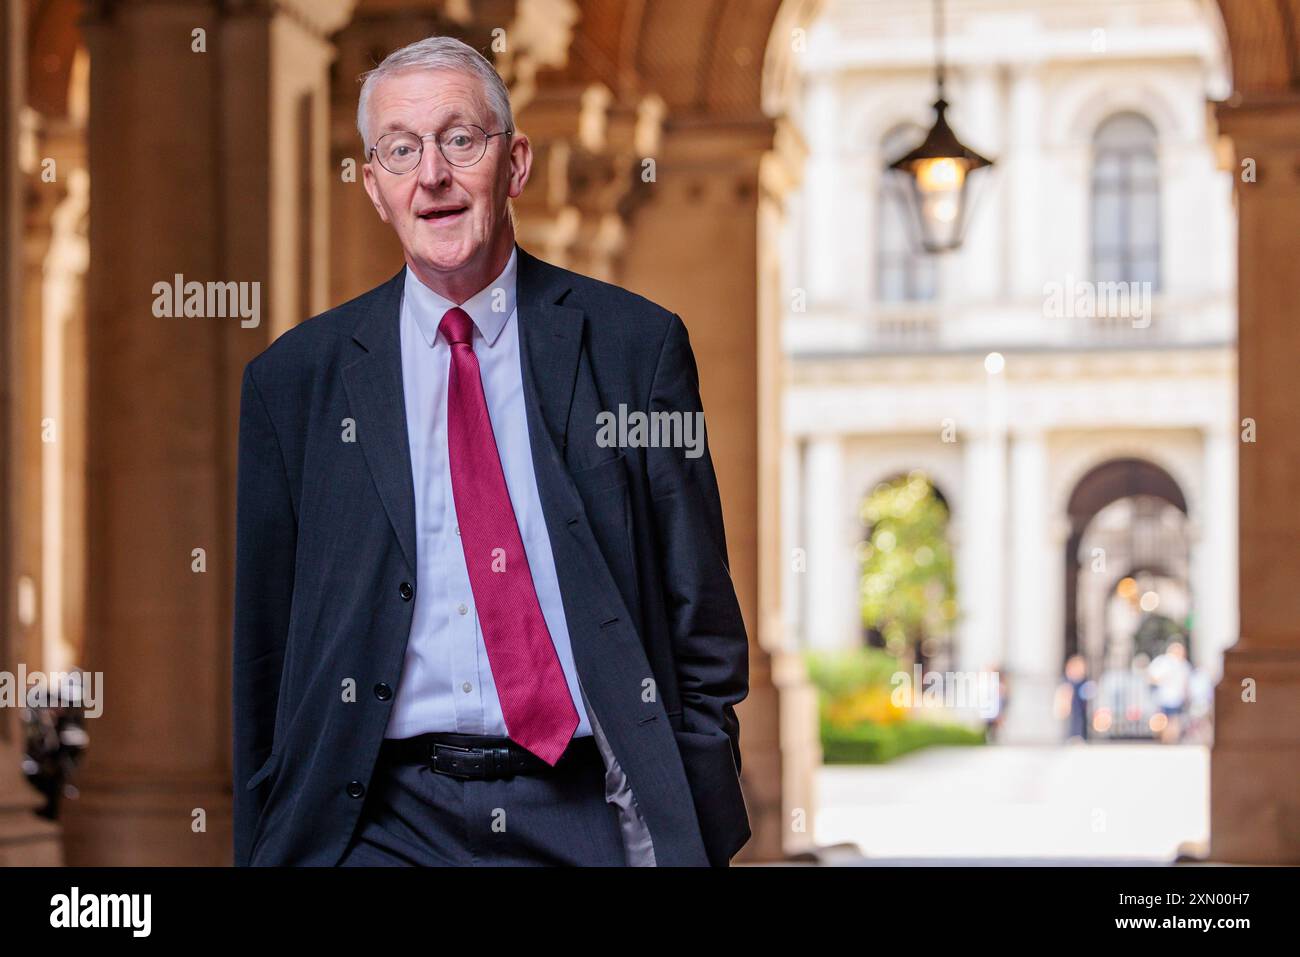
(701, 56)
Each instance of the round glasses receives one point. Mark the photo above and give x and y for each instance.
(401, 151)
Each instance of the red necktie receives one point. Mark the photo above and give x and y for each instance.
(534, 696)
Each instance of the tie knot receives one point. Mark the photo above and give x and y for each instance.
(457, 326)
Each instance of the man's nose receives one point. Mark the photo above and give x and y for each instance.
(435, 171)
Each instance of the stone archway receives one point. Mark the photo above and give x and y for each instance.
(1103, 485)
(725, 159)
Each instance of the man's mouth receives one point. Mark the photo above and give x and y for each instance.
(443, 213)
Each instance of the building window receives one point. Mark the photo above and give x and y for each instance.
(903, 272)
(1125, 202)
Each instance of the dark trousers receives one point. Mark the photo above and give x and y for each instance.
(416, 817)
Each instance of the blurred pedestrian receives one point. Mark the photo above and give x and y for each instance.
(1072, 698)
(1170, 676)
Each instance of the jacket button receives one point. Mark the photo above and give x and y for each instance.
(383, 692)
(406, 591)
(356, 789)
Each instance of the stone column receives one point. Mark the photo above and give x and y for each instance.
(1033, 658)
(692, 247)
(1215, 623)
(589, 155)
(1022, 195)
(208, 153)
(981, 559)
(830, 596)
(24, 837)
(1255, 763)
(51, 541)
(794, 544)
(979, 120)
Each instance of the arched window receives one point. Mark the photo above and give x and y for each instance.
(903, 273)
(1125, 201)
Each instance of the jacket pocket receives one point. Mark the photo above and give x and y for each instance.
(267, 769)
(609, 473)
(715, 788)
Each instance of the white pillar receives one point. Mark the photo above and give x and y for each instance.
(823, 216)
(1215, 623)
(1033, 651)
(980, 123)
(830, 592)
(981, 561)
(1021, 168)
(794, 557)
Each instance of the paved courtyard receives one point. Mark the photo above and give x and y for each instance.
(1108, 803)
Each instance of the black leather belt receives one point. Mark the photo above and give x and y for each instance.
(480, 756)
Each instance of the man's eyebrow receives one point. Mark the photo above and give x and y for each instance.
(455, 116)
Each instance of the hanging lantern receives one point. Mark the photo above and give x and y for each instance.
(939, 170)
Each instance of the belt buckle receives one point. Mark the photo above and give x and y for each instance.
(433, 758)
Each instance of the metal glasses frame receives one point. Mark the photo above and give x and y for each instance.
(437, 138)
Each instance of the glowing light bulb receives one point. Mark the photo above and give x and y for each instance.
(940, 174)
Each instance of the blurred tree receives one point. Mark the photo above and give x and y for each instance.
(1154, 634)
(907, 588)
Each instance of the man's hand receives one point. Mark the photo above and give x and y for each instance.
(710, 645)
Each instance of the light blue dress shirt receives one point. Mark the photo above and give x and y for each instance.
(446, 682)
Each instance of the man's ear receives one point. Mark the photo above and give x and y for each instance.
(521, 164)
(372, 190)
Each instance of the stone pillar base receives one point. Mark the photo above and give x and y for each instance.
(1029, 719)
(1255, 761)
(134, 824)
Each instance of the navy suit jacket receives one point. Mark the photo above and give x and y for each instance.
(326, 540)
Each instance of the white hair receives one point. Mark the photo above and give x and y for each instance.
(437, 53)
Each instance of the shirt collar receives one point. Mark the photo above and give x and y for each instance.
(429, 307)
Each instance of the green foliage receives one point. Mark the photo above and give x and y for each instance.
(907, 586)
(870, 743)
(859, 722)
(840, 673)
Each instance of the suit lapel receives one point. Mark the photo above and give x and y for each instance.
(550, 339)
(374, 387)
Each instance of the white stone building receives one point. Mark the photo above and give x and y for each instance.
(1093, 446)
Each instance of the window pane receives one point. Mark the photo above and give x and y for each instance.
(1108, 169)
(1125, 201)
(925, 281)
(891, 283)
(1143, 169)
(1144, 220)
(1146, 268)
(1107, 219)
(1107, 269)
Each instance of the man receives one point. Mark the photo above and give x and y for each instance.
(468, 629)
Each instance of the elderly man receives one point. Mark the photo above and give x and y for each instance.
(472, 625)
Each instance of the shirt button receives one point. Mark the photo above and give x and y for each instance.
(461, 608)
(466, 687)
(457, 529)
(406, 591)
(383, 692)
(356, 789)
